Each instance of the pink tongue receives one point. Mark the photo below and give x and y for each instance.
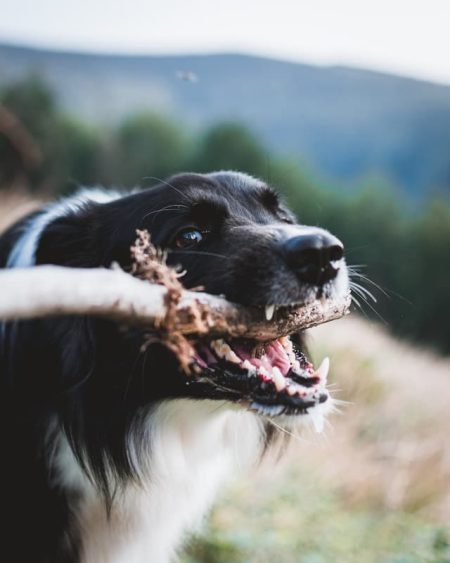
(278, 357)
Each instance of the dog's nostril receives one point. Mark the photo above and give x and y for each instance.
(314, 257)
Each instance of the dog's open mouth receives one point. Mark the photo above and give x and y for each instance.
(270, 378)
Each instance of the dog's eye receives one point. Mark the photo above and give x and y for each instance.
(188, 237)
(286, 218)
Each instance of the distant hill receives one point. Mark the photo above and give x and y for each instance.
(346, 123)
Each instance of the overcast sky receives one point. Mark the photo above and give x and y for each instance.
(409, 37)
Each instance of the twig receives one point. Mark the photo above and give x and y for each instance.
(44, 291)
(156, 301)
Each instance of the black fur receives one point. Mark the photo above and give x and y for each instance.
(87, 375)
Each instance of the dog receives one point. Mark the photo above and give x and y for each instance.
(111, 453)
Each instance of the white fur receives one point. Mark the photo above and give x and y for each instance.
(193, 447)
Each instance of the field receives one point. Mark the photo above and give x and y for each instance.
(375, 487)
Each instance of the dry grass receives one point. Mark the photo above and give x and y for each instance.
(390, 445)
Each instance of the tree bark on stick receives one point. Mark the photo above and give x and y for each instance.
(45, 291)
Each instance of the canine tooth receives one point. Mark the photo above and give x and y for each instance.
(278, 379)
(286, 342)
(323, 369)
(270, 309)
(232, 357)
(223, 350)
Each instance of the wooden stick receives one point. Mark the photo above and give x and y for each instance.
(45, 291)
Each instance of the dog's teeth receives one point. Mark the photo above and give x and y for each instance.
(270, 309)
(323, 369)
(278, 379)
(249, 367)
(262, 371)
(232, 357)
(316, 419)
(224, 351)
(286, 342)
(293, 389)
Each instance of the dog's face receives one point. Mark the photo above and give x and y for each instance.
(233, 236)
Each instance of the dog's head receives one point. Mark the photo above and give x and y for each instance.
(232, 235)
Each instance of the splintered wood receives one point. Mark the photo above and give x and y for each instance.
(149, 264)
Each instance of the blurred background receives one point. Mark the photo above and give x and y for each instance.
(345, 108)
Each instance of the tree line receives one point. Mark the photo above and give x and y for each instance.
(399, 253)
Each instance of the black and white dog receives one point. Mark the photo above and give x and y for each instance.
(110, 453)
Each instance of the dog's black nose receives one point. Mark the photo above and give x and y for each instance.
(314, 257)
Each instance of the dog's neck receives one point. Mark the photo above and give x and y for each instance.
(195, 446)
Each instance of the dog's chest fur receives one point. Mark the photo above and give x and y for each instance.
(194, 447)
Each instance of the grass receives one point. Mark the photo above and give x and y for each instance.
(375, 488)
(298, 520)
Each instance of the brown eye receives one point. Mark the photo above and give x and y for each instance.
(188, 238)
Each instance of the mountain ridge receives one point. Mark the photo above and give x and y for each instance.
(346, 122)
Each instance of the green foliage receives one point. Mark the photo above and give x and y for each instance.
(429, 274)
(77, 153)
(33, 103)
(405, 253)
(70, 149)
(299, 520)
(148, 145)
(230, 146)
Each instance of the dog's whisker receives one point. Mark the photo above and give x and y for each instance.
(382, 319)
(354, 273)
(355, 300)
(364, 291)
(284, 430)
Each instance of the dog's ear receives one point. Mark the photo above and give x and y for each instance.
(69, 241)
